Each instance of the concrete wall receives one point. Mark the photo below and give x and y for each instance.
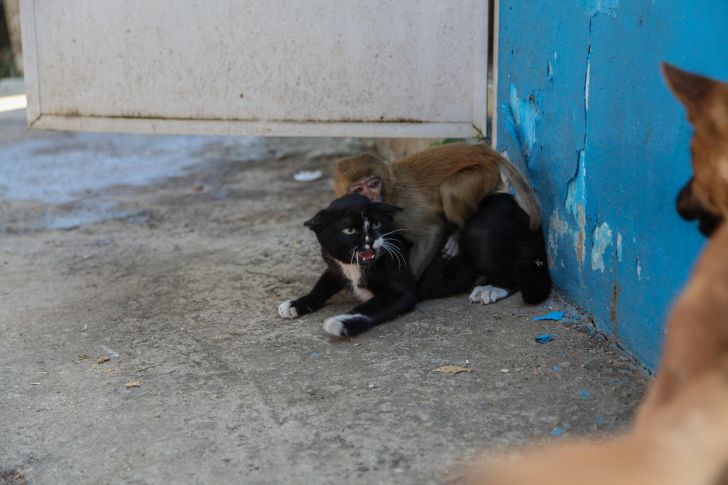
(582, 104)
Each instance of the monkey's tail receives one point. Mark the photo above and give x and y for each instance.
(525, 196)
(534, 281)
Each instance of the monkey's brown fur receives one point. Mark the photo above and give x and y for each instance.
(444, 181)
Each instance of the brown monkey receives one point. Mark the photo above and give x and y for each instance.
(438, 188)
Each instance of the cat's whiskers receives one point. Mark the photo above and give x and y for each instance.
(392, 232)
(392, 255)
(387, 243)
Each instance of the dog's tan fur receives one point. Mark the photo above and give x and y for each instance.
(447, 180)
(681, 432)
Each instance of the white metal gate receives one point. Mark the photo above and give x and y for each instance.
(374, 68)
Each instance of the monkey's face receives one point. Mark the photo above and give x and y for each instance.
(370, 187)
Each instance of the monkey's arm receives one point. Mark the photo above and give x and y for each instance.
(461, 194)
(327, 286)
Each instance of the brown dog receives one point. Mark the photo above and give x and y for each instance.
(705, 196)
(681, 433)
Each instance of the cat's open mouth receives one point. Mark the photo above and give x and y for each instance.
(366, 256)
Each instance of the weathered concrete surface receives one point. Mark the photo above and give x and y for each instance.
(175, 273)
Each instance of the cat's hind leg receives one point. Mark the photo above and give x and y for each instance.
(489, 294)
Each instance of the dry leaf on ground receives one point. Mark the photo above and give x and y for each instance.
(452, 369)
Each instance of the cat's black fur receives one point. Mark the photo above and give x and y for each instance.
(384, 282)
(496, 247)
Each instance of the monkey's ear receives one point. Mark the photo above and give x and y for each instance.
(317, 221)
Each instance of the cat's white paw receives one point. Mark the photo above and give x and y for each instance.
(336, 325)
(487, 294)
(285, 310)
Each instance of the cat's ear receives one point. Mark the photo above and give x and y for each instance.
(317, 221)
(691, 89)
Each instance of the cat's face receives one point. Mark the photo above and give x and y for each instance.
(355, 230)
(705, 196)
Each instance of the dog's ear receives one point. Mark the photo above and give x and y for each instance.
(317, 221)
(691, 89)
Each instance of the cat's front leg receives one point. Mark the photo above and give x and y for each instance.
(377, 310)
(327, 286)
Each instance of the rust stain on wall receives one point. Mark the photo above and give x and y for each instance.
(613, 307)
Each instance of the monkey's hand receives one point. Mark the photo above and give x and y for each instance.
(452, 246)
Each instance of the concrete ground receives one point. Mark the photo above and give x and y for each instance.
(139, 340)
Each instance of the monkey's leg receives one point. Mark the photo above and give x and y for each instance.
(427, 242)
(461, 195)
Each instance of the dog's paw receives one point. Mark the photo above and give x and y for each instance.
(487, 294)
(346, 325)
(286, 310)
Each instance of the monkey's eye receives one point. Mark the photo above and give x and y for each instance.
(376, 225)
(357, 189)
(374, 184)
(349, 231)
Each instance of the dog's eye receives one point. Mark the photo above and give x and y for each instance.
(376, 225)
(349, 231)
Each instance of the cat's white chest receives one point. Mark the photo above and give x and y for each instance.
(353, 274)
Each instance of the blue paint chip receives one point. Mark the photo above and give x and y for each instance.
(557, 431)
(315, 355)
(556, 368)
(556, 316)
(543, 338)
(584, 394)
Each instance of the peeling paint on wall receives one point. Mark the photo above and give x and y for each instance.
(602, 240)
(586, 84)
(575, 205)
(619, 247)
(639, 270)
(608, 7)
(521, 117)
(558, 228)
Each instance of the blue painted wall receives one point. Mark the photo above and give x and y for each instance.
(581, 103)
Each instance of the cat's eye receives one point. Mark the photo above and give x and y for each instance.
(376, 225)
(349, 231)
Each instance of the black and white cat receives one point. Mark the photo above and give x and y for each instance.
(497, 250)
(363, 251)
